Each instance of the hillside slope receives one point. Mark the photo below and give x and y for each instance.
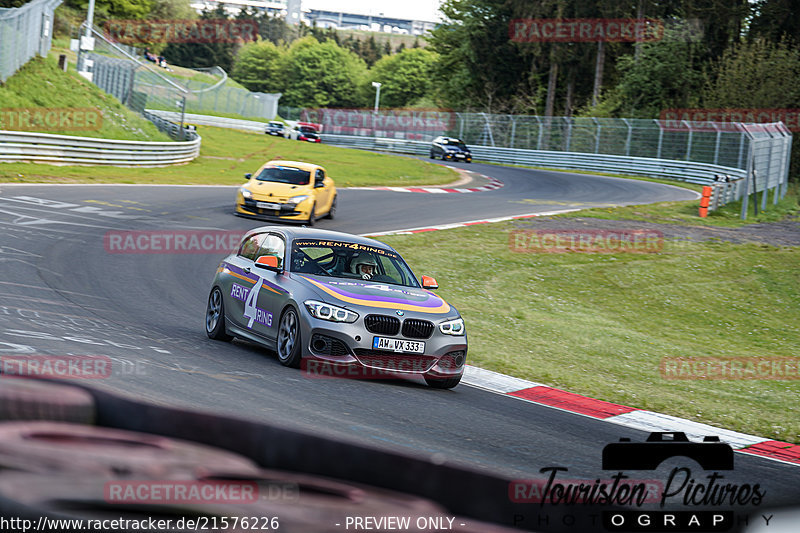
(40, 84)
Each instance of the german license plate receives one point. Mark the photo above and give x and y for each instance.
(397, 345)
(268, 205)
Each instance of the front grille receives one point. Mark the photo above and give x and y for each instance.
(285, 210)
(394, 362)
(417, 329)
(324, 345)
(382, 324)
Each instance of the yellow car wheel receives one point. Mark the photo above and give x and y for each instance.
(332, 211)
(310, 221)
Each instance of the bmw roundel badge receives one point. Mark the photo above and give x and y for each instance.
(399, 313)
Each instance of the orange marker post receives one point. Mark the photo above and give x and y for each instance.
(704, 201)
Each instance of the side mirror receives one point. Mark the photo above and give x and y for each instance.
(319, 183)
(269, 262)
(248, 176)
(429, 283)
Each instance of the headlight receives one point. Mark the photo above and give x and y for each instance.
(453, 327)
(325, 311)
(298, 199)
(245, 193)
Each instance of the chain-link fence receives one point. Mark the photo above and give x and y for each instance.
(136, 84)
(24, 32)
(717, 144)
(217, 98)
(762, 150)
(769, 157)
(117, 70)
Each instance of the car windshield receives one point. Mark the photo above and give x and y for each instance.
(457, 144)
(340, 259)
(279, 174)
(275, 124)
(307, 129)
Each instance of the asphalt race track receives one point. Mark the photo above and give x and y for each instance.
(62, 293)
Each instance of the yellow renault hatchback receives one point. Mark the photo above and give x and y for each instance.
(287, 190)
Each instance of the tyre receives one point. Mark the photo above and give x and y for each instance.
(30, 399)
(442, 383)
(57, 447)
(311, 219)
(215, 317)
(433, 156)
(332, 211)
(289, 343)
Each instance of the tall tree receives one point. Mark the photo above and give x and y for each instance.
(273, 28)
(755, 75)
(478, 66)
(776, 19)
(404, 77)
(258, 66)
(116, 9)
(666, 76)
(321, 75)
(203, 55)
(760, 75)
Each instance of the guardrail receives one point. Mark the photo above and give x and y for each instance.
(51, 148)
(208, 120)
(765, 149)
(688, 171)
(726, 192)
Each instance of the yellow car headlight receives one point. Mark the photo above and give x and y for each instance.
(299, 199)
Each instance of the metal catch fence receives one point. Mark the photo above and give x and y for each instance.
(24, 32)
(761, 152)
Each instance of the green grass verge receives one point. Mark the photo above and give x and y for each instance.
(40, 84)
(600, 325)
(676, 183)
(226, 155)
(687, 212)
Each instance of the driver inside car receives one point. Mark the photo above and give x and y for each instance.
(364, 265)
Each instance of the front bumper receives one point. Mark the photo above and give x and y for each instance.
(248, 208)
(459, 157)
(350, 346)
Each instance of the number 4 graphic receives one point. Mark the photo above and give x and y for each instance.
(250, 303)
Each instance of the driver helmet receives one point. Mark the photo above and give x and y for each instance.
(364, 265)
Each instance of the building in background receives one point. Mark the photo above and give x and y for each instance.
(369, 22)
(232, 7)
(295, 13)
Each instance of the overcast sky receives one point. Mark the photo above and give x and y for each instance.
(407, 9)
